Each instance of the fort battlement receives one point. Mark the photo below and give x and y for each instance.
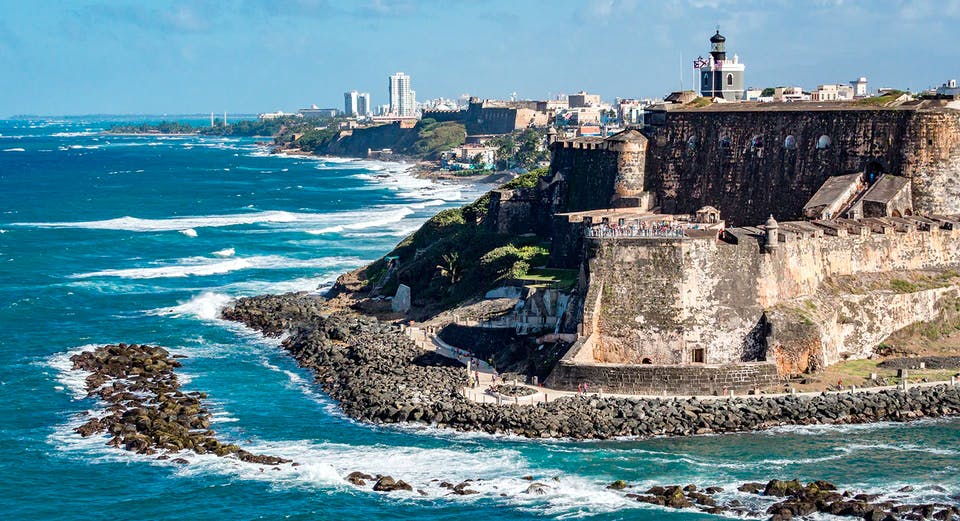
(713, 304)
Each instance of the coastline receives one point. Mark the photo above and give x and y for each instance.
(420, 169)
(380, 376)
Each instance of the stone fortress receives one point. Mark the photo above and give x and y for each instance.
(728, 246)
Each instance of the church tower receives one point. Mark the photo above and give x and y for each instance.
(720, 77)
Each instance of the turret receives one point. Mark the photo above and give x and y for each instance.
(551, 136)
(718, 47)
(773, 235)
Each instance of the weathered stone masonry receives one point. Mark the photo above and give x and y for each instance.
(708, 306)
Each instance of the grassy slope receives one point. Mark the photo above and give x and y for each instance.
(454, 257)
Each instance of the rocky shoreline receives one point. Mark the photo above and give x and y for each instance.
(792, 499)
(146, 410)
(378, 375)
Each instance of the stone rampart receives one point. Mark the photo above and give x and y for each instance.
(687, 380)
(750, 164)
(700, 301)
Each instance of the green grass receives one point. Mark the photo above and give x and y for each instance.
(903, 286)
(563, 279)
(881, 101)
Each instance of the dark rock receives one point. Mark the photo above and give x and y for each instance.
(537, 488)
(388, 484)
(618, 485)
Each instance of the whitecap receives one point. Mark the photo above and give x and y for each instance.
(205, 306)
(135, 224)
(425, 204)
(189, 232)
(382, 219)
(15, 150)
(226, 252)
(203, 266)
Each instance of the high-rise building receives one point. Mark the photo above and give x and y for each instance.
(350, 101)
(402, 97)
(720, 77)
(363, 104)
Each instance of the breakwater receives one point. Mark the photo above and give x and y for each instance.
(147, 412)
(378, 375)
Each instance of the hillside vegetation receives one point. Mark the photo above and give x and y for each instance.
(426, 140)
(454, 256)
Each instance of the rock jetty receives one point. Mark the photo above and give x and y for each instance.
(146, 410)
(378, 375)
(789, 500)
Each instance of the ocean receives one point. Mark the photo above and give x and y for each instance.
(142, 239)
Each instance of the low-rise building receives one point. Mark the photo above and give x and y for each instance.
(582, 99)
(314, 112)
(832, 92)
(276, 115)
(949, 88)
(469, 156)
(790, 94)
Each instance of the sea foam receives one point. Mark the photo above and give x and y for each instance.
(203, 266)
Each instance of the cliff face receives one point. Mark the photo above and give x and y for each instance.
(357, 142)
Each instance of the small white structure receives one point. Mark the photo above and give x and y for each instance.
(401, 301)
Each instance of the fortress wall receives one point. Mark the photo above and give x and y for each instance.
(640, 309)
(711, 157)
(799, 267)
(663, 379)
(933, 163)
(659, 300)
(590, 172)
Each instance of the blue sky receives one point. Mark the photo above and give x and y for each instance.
(153, 56)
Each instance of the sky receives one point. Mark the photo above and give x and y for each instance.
(247, 56)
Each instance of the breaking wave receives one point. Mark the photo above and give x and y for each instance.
(204, 266)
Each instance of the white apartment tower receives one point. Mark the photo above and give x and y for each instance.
(351, 100)
(402, 97)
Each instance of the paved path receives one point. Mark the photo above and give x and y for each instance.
(481, 393)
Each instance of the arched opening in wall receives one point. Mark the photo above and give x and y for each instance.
(908, 212)
(873, 171)
(790, 142)
(646, 361)
(896, 213)
(729, 80)
(824, 142)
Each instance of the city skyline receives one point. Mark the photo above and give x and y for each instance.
(87, 56)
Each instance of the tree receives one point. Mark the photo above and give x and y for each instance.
(767, 92)
(450, 267)
(478, 162)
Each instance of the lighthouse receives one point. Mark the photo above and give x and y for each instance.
(720, 77)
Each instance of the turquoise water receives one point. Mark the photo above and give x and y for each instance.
(142, 239)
